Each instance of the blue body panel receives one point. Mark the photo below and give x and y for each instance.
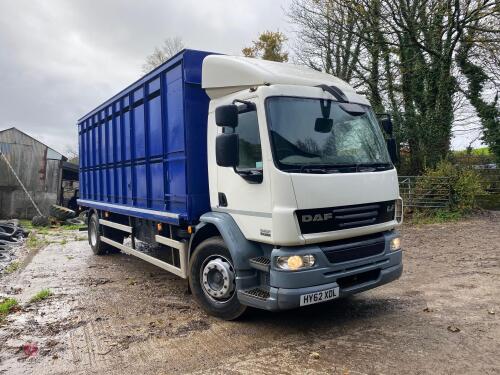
(144, 151)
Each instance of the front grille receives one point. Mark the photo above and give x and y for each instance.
(354, 248)
(345, 217)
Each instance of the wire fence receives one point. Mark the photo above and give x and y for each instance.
(425, 191)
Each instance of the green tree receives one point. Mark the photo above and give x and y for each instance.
(476, 76)
(401, 54)
(269, 46)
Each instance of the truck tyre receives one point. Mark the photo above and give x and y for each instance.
(61, 213)
(95, 233)
(212, 280)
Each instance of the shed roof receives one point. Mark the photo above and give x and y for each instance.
(52, 154)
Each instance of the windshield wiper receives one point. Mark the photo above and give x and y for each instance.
(341, 168)
(324, 168)
(365, 167)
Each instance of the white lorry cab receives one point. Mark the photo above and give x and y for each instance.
(298, 202)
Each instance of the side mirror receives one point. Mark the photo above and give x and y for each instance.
(227, 115)
(387, 125)
(393, 150)
(227, 152)
(323, 125)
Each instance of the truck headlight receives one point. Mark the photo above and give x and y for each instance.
(295, 262)
(395, 244)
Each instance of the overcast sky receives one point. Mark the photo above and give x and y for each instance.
(59, 59)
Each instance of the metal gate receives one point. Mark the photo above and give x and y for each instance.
(425, 191)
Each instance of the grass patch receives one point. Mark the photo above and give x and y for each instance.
(6, 306)
(13, 267)
(41, 295)
(35, 242)
(435, 217)
(26, 224)
(72, 227)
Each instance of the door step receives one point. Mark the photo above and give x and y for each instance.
(261, 263)
(258, 293)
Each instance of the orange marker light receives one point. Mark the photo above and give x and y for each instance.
(190, 229)
(159, 226)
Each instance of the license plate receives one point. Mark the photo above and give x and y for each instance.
(317, 297)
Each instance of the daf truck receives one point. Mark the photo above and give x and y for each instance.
(263, 184)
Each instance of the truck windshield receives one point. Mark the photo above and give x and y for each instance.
(322, 136)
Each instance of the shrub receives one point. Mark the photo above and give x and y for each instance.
(464, 185)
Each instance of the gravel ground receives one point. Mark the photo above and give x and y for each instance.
(116, 314)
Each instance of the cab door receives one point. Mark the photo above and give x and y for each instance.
(245, 191)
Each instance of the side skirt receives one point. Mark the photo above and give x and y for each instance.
(182, 248)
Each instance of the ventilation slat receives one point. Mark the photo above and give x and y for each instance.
(356, 208)
(361, 215)
(359, 223)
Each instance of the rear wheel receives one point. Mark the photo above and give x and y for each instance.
(95, 232)
(213, 280)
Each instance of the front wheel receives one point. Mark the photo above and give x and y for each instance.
(213, 280)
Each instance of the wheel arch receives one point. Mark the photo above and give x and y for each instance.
(222, 224)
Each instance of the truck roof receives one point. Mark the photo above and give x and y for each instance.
(223, 75)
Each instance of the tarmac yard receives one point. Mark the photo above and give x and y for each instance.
(119, 315)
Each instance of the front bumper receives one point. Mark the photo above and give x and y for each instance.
(285, 287)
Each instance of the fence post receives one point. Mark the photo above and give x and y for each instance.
(449, 192)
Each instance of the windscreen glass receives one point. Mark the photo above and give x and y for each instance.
(323, 133)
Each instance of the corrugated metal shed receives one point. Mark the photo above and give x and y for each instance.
(39, 168)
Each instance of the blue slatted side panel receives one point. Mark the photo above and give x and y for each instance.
(146, 147)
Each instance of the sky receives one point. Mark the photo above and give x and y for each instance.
(59, 59)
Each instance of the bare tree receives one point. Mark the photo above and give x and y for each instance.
(161, 54)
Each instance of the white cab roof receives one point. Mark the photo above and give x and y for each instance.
(223, 75)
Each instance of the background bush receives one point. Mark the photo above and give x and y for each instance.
(465, 185)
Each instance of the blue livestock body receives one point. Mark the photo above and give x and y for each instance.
(143, 152)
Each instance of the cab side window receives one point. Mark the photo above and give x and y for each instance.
(250, 151)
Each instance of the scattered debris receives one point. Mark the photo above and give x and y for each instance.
(12, 235)
(104, 352)
(194, 325)
(314, 355)
(427, 309)
(491, 312)
(30, 349)
(453, 329)
(61, 213)
(40, 221)
(99, 281)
